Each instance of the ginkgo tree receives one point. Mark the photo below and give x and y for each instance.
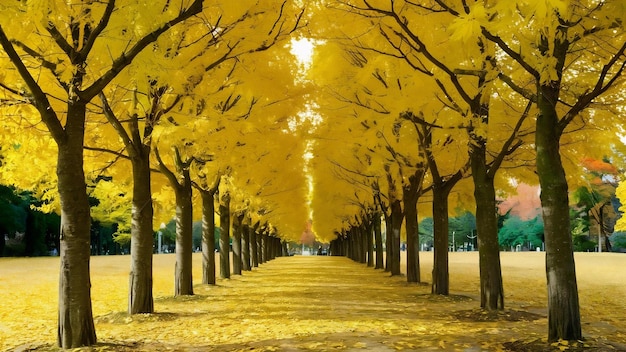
(465, 76)
(574, 53)
(60, 56)
(205, 63)
(383, 90)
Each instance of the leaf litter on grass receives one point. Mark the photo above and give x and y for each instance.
(307, 303)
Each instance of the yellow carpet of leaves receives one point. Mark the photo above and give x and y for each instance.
(314, 303)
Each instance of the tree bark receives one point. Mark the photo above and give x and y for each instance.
(412, 241)
(369, 238)
(140, 299)
(254, 247)
(237, 233)
(224, 209)
(245, 248)
(363, 237)
(285, 249)
(440, 284)
(491, 288)
(208, 237)
(388, 242)
(75, 319)
(396, 225)
(563, 305)
(259, 247)
(184, 236)
(379, 241)
(265, 239)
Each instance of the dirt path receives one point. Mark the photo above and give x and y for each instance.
(319, 304)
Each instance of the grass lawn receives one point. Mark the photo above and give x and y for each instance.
(317, 303)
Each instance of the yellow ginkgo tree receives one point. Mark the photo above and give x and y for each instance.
(574, 53)
(59, 56)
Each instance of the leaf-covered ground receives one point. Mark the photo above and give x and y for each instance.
(317, 303)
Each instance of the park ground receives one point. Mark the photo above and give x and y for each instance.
(317, 303)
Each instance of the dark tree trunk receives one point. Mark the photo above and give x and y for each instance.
(491, 288)
(440, 285)
(369, 239)
(410, 195)
(208, 237)
(378, 240)
(357, 244)
(75, 319)
(140, 299)
(388, 242)
(184, 236)
(237, 233)
(412, 241)
(363, 239)
(265, 239)
(245, 248)
(396, 225)
(563, 306)
(259, 247)
(285, 250)
(224, 210)
(254, 247)
(2, 245)
(348, 244)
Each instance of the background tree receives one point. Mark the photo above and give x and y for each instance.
(598, 200)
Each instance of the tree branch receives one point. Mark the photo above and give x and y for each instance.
(95, 33)
(126, 58)
(121, 131)
(508, 147)
(164, 169)
(514, 55)
(61, 42)
(39, 98)
(601, 86)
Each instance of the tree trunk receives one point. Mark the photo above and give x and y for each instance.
(75, 319)
(254, 247)
(245, 248)
(412, 241)
(440, 285)
(259, 247)
(237, 230)
(410, 195)
(208, 237)
(491, 288)
(396, 225)
(225, 235)
(379, 241)
(285, 250)
(265, 239)
(363, 237)
(369, 239)
(184, 236)
(563, 306)
(140, 299)
(358, 244)
(388, 242)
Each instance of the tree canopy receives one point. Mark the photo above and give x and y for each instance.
(311, 117)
